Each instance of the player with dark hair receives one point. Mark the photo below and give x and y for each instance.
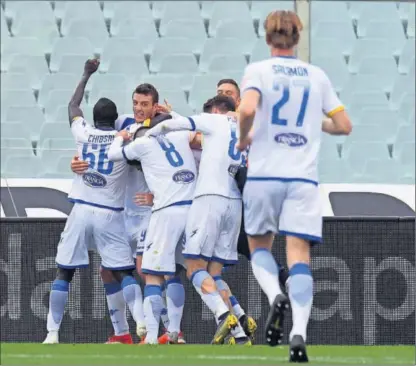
(229, 88)
(96, 220)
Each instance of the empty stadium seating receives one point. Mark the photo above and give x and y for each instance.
(184, 48)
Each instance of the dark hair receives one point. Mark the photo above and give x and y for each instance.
(147, 89)
(207, 108)
(229, 81)
(104, 113)
(222, 102)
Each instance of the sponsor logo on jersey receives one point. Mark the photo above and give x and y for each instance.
(291, 139)
(233, 169)
(94, 180)
(184, 177)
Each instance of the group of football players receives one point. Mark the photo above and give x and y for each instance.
(181, 182)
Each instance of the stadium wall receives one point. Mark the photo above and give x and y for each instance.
(364, 275)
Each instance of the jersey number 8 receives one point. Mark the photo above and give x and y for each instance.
(174, 158)
(104, 166)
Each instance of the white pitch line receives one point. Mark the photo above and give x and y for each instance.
(338, 360)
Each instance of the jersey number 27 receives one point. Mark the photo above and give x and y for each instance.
(276, 119)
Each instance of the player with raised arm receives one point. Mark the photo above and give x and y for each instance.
(96, 219)
(169, 169)
(214, 219)
(280, 118)
(138, 203)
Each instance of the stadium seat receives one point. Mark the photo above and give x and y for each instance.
(198, 97)
(192, 29)
(385, 118)
(77, 10)
(61, 168)
(27, 45)
(357, 101)
(341, 31)
(95, 31)
(16, 146)
(19, 81)
(207, 7)
(144, 36)
(21, 11)
(207, 82)
(70, 46)
(177, 100)
(71, 64)
(260, 51)
(329, 147)
(407, 105)
(363, 11)
(57, 144)
(30, 117)
(35, 66)
(4, 28)
(165, 82)
(58, 81)
(168, 45)
(384, 68)
(54, 100)
(120, 47)
(329, 11)
(389, 31)
(119, 97)
(405, 134)
(10, 130)
(334, 171)
(51, 158)
(228, 10)
(335, 67)
(23, 167)
(122, 11)
(410, 31)
(219, 46)
(131, 67)
(178, 63)
(405, 8)
(61, 115)
(108, 82)
(261, 9)
(327, 47)
(405, 154)
(224, 63)
(241, 30)
(401, 87)
(359, 152)
(13, 97)
(407, 57)
(367, 47)
(172, 10)
(45, 30)
(381, 171)
(370, 133)
(51, 130)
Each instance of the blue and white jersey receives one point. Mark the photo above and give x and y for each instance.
(220, 158)
(136, 182)
(168, 166)
(288, 121)
(104, 183)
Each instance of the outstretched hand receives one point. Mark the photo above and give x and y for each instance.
(91, 66)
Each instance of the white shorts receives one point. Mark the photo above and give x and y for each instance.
(213, 228)
(289, 208)
(165, 233)
(90, 227)
(136, 228)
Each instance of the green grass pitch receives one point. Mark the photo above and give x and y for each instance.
(100, 354)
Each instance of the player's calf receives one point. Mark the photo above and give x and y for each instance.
(57, 301)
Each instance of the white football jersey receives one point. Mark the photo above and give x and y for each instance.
(136, 182)
(104, 183)
(288, 121)
(220, 158)
(168, 166)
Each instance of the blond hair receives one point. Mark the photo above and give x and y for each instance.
(282, 29)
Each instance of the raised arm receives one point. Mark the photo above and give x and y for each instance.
(74, 109)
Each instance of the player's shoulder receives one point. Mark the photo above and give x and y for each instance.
(314, 70)
(124, 121)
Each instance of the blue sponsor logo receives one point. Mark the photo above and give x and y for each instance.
(94, 180)
(291, 139)
(184, 177)
(233, 169)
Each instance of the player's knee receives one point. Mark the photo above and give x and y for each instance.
(65, 274)
(106, 275)
(120, 275)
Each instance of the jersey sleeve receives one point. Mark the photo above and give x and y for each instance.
(330, 101)
(79, 128)
(251, 79)
(135, 149)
